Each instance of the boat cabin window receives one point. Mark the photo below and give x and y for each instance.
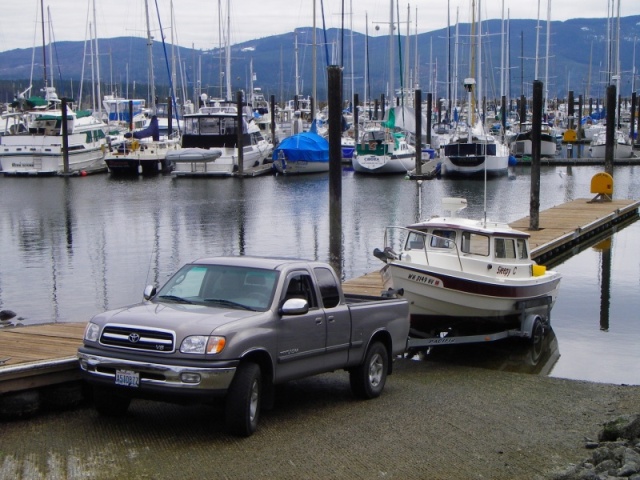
(443, 238)
(504, 248)
(475, 243)
(522, 249)
(415, 241)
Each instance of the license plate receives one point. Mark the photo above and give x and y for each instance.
(127, 378)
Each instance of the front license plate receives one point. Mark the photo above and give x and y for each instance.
(127, 378)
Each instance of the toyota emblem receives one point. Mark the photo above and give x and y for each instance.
(134, 337)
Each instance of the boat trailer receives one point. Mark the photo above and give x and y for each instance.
(532, 327)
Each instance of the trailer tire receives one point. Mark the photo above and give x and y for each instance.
(368, 379)
(242, 410)
(110, 403)
(537, 338)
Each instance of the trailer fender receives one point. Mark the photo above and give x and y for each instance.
(533, 327)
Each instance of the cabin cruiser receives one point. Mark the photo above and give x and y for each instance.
(464, 276)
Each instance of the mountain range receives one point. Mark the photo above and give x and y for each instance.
(577, 62)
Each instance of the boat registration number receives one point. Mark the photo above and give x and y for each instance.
(127, 378)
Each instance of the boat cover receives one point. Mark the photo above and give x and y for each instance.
(306, 146)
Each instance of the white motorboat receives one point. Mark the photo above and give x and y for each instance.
(622, 147)
(465, 277)
(215, 127)
(39, 150)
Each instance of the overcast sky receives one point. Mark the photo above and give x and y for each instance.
(197, 21)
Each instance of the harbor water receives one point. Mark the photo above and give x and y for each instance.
(73, 247)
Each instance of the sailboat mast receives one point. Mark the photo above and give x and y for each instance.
(44, 51)
(535, 76)
(314, 76)
(97, 57)
(228, 53)
(546, 61)
(391, 60)
(150, 50)
(479, 59)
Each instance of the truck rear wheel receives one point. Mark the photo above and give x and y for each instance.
(243, 400)
(367, 380)
(110, 403)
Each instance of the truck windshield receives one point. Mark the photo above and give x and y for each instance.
(221, 286)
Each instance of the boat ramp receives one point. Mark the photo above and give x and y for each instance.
(38, 363)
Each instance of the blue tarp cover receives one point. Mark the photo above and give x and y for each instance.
(306, 146)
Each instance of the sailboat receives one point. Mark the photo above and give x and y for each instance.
(38, 148)
(144, 151)
(382, 148)
(472, 151)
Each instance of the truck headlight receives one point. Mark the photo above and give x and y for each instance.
(91, 332)
(202, 344)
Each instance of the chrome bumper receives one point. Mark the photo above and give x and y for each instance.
(172, 377)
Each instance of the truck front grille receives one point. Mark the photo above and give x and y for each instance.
(135, 338)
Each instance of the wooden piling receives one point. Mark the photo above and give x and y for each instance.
(536, 128)
(65, 138)
(611, 126)
(239, 133)
(335, 167)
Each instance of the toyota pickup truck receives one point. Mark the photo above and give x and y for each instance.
(235, 327)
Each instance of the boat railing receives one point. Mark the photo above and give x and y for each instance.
(423, 245)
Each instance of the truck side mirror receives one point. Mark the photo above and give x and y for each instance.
(295, 306)
(149, 291)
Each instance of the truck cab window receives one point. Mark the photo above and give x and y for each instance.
(300, 286)
(328, 287)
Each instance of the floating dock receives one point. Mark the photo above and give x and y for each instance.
(32, 357)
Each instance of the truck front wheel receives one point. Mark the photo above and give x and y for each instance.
(243, 400)
(367, 380)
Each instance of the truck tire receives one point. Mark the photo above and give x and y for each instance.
(367, 380)
(243, 400)
(110, 403)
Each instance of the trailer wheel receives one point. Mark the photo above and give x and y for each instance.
(110, 403)
(368, 379)
(537, 337)
(243, 400)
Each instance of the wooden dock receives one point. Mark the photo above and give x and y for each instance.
(41, 355)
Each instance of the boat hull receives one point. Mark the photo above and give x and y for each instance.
(38, 159)
(383, 164)
(148, 159)
(440, 301)
(299, 167)
(219, 162)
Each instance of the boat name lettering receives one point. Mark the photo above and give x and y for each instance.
(21, 164)
(425, 279)
(503, 271)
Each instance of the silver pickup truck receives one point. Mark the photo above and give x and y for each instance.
(235, 327)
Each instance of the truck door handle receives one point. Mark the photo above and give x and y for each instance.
(319, 321)
(331, 318)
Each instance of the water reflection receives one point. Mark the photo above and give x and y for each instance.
(511, 355)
